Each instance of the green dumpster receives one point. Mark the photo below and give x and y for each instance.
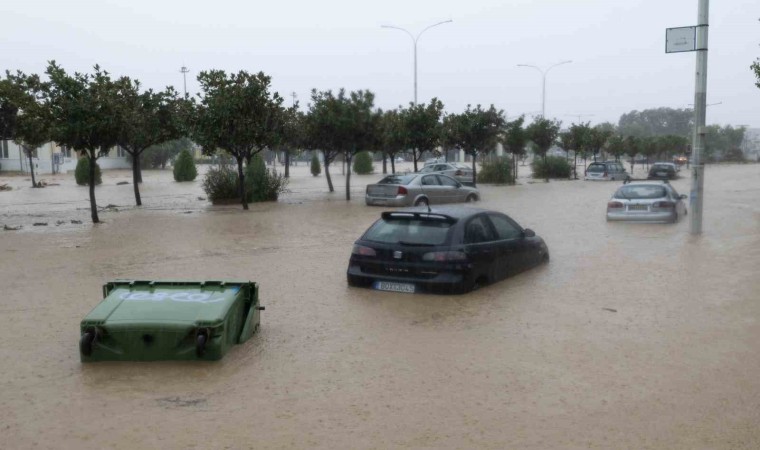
(169, 320)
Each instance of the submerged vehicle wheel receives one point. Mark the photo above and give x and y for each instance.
(86, 341)
(200, 344)
(471, 198)
(422, 202)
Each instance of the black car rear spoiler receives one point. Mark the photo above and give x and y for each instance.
(396, 215)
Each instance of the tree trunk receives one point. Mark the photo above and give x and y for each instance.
(546, 171)
(415, 157)
(241, 179)
(393, 165)
(348, 177)
(385, 163)
(514, 168)
(327, 174)
(474, 170)
(93, 204)
(139, 173)
(575, 165)
(136, 177)
(287, 163)
(31, 165)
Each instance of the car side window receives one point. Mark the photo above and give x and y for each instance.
(478, 230)
(446, 181)
(440, 167)
(504, 227)
(430, 180)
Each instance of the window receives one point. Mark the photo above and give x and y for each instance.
(4, 149)
(120, 152)
(409, 231)
(478, 230)
(446, 181)
(397, 179)
(66, 151)
(430, 180)
(505, 228)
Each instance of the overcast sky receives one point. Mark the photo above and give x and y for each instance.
(617, 49)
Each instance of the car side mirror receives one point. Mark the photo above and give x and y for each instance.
(528, 233)
(683, 196)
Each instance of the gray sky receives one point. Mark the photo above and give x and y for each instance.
(617, 48)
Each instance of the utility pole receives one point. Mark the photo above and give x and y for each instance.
(696, 197)
(184, 70)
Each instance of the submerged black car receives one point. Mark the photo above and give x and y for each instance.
(444, 250)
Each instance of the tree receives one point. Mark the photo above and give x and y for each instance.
(341, 125)
(392, 136)
(597, 137)
(543, 133)
(292, 133)
(83, 110)
(657, 122)
(756, 68)
(157, 156)
(616, 146)
(146, 119)
(30, 126)
(580, 133)
(422, 127)
(720, 140)
(475, 131)
(514, 140)
(238, 114)
(632, 146)
(184, 167)
(315, 167)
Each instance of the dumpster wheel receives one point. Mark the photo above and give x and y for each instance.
(200, 344)
(86, 341)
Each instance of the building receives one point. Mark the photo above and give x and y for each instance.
(52, 158)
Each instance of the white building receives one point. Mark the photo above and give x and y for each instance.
(52, 158)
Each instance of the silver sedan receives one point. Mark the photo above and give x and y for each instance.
(646, 202)
(458, 171)
(415, 189)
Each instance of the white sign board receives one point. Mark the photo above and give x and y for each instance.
(681, 39)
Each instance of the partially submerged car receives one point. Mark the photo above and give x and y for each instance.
(451, 249)
(663, 171)
(606, 171)
(646, 202)
(460, 172)
(415, 189)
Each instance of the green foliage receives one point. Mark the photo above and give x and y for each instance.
(721, 140)
(158, 156)
(82, 172)
(316, 169)
(421, 127)
(184, 167)
(263, 185)
(657, 122)
(363, 163)
(756, 68)
(734, 155)
(551, 167)
(221, 183)
(543, 133)
(498, 171)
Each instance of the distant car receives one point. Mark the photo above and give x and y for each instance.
(606, 171)
(662, 171)
(680, 160)
(415, 189)
(458, 171)
(451, 249)
(434, 161)
(646, 202)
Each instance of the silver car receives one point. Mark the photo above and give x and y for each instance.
(458, 171)
(606, 171)
(646, 202)
(415, 189)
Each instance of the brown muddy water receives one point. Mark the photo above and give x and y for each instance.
(632, 337)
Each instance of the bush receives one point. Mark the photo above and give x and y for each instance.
(261, 185)
(363, 163)
(498, 171)
(553, 167)
(184, 167)
(734, 155)
(82, 172)
(316, 169)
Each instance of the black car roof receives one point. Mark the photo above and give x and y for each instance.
(454, 212)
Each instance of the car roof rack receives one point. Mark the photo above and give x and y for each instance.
(418, 215)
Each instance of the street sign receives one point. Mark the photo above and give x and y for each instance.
(681, 39)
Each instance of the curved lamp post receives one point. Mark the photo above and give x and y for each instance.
(543, 76)
(414, 42)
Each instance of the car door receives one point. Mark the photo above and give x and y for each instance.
(480, 247)
(450, 191)
(512, 249)
(432, 189)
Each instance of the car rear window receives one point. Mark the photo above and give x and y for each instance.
(662, 167)
(409, 231)
(596, 168)
(396, 179)
(640, 192)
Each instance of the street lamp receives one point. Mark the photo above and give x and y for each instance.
(184, 70)
(414, 42)
(543, 75)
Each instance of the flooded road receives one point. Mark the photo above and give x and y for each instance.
(633, 336)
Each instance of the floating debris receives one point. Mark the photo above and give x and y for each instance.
(7, 228)
(5, 187)
(76, 222)
(610, 309)
(59, 222)
(40, 224)
(201, 198)
(121, 183)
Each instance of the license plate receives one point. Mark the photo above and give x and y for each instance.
(394, 287)
(638, 208)
(662, 174)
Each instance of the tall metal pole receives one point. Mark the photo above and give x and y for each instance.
(543, 81)
(414, 44)
(700, 109)
(184, 70)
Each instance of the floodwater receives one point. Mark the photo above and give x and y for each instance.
(632, 337)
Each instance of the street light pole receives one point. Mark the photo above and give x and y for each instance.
(543, 76)
(414, 43)
(700, 102)
(184, 70)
